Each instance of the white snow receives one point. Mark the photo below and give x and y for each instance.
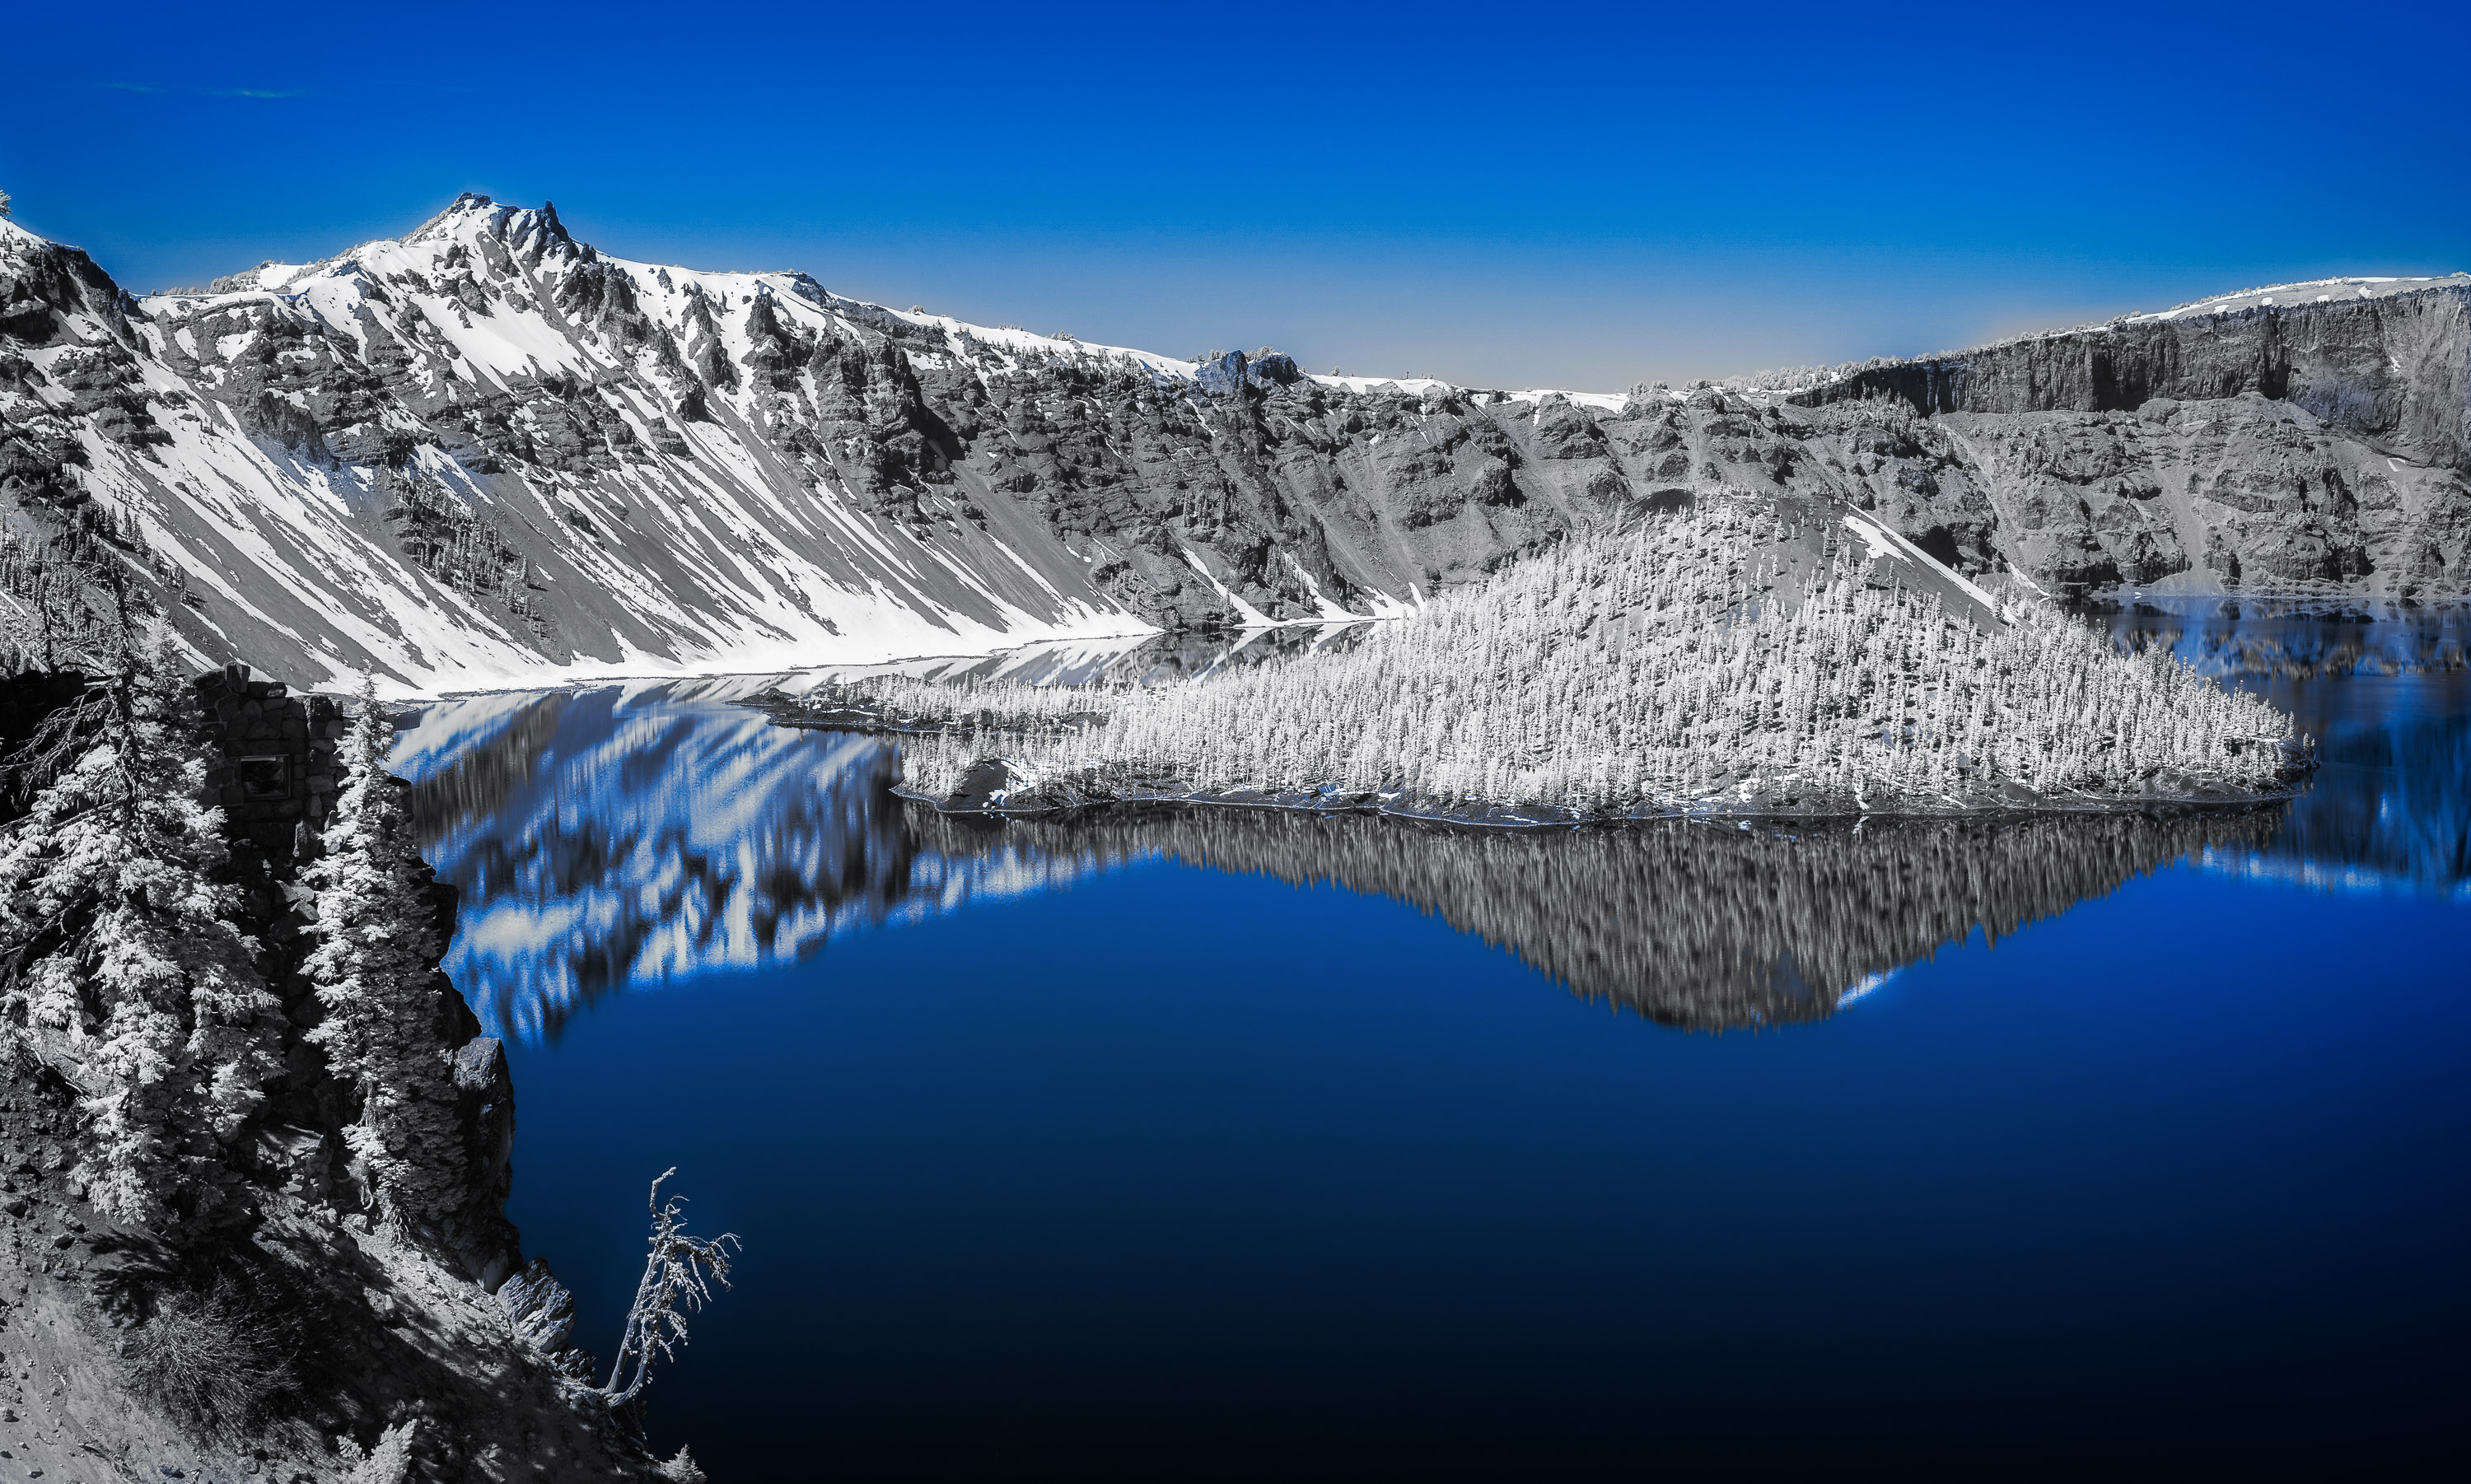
(725, 559)
(2357, 287)
(716, 565)
(1886, 541)
(1250, 616)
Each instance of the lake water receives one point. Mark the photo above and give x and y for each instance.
(1235, 1146)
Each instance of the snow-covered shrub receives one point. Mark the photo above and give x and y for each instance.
(375, 968)
(680, 1468)
(122, 962)
(392, 1461)
(1659, 668)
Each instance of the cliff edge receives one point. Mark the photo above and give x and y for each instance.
(284, 1328)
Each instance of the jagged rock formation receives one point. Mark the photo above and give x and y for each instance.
(487, 451)
(278, 773)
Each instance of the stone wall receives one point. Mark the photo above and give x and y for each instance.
(278, 773)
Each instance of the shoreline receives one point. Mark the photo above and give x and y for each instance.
(1531, 817)
(1048, 800)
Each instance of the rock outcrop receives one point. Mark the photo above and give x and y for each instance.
(290, 1333)
(2311, 437)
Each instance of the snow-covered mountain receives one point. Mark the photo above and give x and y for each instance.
(487, 453)
(484, 451)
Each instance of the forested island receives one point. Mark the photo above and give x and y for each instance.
(1737, 660)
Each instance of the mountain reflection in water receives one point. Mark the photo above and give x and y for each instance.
(629, 836)
(626, 837)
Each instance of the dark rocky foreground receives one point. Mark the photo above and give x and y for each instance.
(333, 1329)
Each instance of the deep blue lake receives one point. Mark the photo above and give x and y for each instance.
(1233, 1146)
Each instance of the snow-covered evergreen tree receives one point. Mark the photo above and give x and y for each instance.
(1678, 658)
(375, 968)
(123, 965)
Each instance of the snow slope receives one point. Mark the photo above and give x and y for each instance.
(487, 455)
(624, 468)
(299, 407)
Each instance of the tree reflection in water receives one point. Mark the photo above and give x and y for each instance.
(1688, 925)
(628, 836)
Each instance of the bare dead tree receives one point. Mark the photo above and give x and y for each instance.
(674, 1285)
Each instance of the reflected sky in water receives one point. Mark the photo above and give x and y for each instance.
(2385, 694)
(1211, 1144)
(643, 834)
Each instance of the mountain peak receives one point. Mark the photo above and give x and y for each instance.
(464, 208)
(474, 215)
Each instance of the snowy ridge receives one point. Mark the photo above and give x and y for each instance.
(762, 577)
(795, 291)
(2288, 295)
(2316, 291)
(486, 455)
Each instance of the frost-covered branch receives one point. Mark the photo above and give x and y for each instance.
(673, 1285)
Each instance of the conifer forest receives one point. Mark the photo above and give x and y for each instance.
(1682, 664)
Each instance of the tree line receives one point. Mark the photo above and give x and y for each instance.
(1678, 665)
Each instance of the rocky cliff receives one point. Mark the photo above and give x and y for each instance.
(2306, 437)
(488, 452)
(286, 1334)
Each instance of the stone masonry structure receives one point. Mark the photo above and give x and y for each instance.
(277, 777)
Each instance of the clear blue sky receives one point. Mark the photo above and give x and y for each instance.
(1502, 195)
